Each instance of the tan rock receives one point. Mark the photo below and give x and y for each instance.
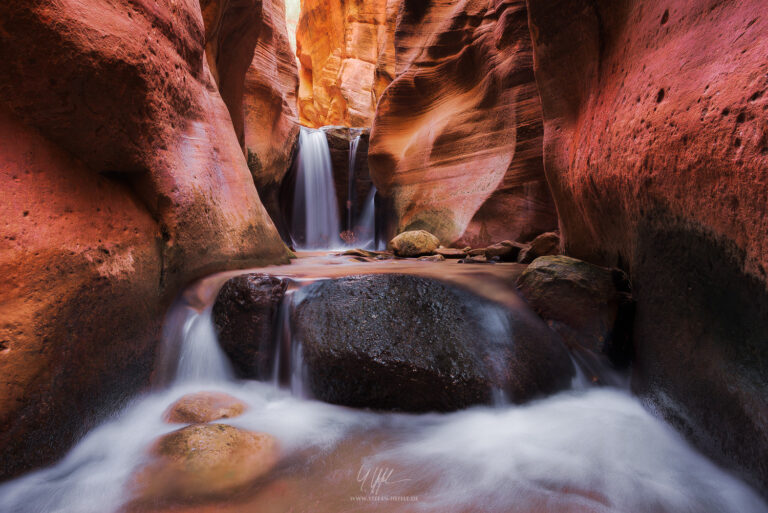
(205, 460)
(414, 243)
(203, 407)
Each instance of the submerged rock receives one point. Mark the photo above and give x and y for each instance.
(245, 314)
(432, 258)
(544, 245)
(414, 243)
(203, 407)
(206, 460)
(589, 306)
(401, 342)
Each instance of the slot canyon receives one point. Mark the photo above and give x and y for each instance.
(455, 256)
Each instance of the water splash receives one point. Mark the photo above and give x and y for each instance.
(315, 206)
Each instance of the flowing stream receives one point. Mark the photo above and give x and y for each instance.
(316, 222)
(583, 450)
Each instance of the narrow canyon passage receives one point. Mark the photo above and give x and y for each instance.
(347, 256)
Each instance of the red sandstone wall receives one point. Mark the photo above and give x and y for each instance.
(656, 147)
(123, 180)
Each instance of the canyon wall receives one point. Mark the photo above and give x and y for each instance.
(123, 180)
(344, 51)
(456, 142)
(271, 117)
(656, 148)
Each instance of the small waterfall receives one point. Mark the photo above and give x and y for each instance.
(315, 206)
(365, 230)
(353, 144)
(201, 359)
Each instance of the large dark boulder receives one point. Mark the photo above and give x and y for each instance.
(408, 343)
(588, 305)
(245, 315)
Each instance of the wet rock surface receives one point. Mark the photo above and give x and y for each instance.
(401, 342)
(204, 407)
(205, 460)
(589, 306)
(245, 315)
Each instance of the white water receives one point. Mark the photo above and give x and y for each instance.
(593, 449)
(315, 206)
(353, 145)
(366, 225)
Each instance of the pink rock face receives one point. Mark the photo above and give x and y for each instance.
(345, 52)
(123, 180)
(456, 142)
(656, 148)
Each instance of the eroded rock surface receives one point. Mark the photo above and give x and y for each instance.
(408, 343)
(656, 148)
(202, 407)
(456, 142)
(344, 51)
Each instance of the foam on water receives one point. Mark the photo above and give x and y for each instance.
(588, 449)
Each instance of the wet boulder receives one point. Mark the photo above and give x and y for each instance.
(245, 315)
(401, 342)
(205, 460)
(544, 245)
(204, 407)
(589, 306)
(414, 243)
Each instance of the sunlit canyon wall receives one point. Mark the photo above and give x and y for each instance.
(456, 141)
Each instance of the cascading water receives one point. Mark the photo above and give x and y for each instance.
(315, 206)
(584, 450)
(353, 145)
(365, 230)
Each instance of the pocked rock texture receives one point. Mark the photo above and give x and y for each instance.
(123, 179)
(656, 148)
(456, 142)
(344, 51)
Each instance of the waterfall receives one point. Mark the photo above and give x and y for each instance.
(365, 230)
(353, 144)
(315, 207)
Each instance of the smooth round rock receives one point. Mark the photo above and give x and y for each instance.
(204, 407)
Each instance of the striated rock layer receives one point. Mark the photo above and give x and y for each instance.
(656, 148)
(345, 57)
(123, 179)
(456, 142)
(271, 117)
